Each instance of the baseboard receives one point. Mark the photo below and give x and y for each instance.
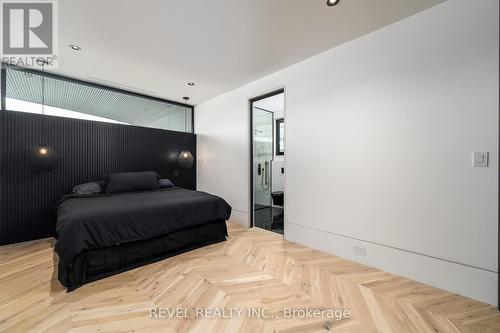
(240, 217)
(468, 281)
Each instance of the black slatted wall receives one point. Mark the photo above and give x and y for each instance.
(87, 151)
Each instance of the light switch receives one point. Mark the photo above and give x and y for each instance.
(481, 159)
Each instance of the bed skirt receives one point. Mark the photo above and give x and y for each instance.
(97, 264)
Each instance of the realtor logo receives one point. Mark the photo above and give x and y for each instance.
(28, 32)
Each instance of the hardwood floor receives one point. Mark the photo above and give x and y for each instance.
(253, 269)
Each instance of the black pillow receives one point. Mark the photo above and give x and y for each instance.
(90, 188)
(165, 183)
(132, 181)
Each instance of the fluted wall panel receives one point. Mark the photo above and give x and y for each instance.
(87, 150)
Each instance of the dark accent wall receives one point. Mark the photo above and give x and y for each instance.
(87, 150)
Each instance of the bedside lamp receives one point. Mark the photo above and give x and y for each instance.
(186, 159)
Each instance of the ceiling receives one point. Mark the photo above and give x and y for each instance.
(155, 47)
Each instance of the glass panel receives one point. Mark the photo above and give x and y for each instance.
(262, 157)
(73, 99)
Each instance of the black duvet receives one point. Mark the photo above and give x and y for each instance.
(98, 221)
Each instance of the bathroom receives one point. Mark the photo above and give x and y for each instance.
(268, 161)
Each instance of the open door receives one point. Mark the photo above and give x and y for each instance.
(267, 161)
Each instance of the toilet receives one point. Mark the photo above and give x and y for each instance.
(278, 197)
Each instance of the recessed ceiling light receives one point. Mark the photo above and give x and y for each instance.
(41, 62)
(191, 83)
(185, 98)
(75, 47)
(332, 2)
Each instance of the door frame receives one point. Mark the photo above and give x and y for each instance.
(250, 103)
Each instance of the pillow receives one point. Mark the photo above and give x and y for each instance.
(90, 188)
(165, 183)
(132, 181)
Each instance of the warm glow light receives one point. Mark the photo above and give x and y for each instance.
(185, 159)
(332, 2)
(43, 151)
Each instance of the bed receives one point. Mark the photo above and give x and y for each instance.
(103, 234)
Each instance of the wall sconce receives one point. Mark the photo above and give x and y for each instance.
(43, 157)
(186, 159)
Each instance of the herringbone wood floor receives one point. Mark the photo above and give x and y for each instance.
(254, 268)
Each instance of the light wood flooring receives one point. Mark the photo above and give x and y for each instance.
(253, 269)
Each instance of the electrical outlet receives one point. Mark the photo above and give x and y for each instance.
(359, 251)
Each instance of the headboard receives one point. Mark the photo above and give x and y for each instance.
(86, 150)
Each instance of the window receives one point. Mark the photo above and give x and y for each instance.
(280, 136)
(28, 90)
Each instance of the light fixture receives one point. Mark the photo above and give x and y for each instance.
(43, 158)
(332, 2)
(185, 158)
(191, 83)
(41, 62)
(75, 47)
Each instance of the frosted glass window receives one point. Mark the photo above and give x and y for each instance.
(64, 97)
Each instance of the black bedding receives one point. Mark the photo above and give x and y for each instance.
(96, 264)
(91, 222)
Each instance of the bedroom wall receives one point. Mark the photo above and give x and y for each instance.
(87, 151)
(380, 133)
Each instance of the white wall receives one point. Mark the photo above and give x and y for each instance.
(379, 139)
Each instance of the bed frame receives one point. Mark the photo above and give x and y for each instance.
(97, 264)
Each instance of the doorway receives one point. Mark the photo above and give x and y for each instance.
(267, 115)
